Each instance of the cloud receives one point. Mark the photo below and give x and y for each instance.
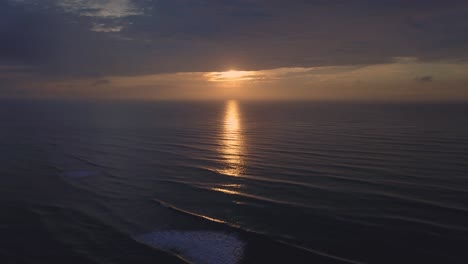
(389, 81)
(405, 59)
(426, 78)
(101, 8)
(109, 13)
(106, 28)
(101, 82)
(73, 39)
(106, 15)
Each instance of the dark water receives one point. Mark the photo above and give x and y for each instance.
(227, 182)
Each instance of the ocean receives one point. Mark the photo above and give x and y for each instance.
(233, 182)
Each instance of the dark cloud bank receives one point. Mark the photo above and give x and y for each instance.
(73, 39)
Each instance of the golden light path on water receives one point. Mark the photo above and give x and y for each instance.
(232, 144)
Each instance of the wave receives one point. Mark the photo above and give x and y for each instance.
(276, 239)
(201, 247)
(240, 194)
(80, 173)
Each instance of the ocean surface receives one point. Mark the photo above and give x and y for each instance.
(233, 182)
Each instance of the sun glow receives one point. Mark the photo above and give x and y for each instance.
(231, 75)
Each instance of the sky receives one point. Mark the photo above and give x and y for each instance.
(388, 50)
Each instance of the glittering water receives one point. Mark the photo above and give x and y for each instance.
(272, 182)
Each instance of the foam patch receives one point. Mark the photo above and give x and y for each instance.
(79, 173)
(199, 247)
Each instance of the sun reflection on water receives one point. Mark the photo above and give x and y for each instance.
(232, 145)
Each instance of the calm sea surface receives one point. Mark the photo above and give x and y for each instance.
(229, 182)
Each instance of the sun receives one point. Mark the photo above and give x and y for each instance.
(231, 75)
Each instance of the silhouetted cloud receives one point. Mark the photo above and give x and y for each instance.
(426, 79)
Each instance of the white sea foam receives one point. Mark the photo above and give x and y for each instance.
(200, 247)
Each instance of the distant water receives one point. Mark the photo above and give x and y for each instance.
(229, 182)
